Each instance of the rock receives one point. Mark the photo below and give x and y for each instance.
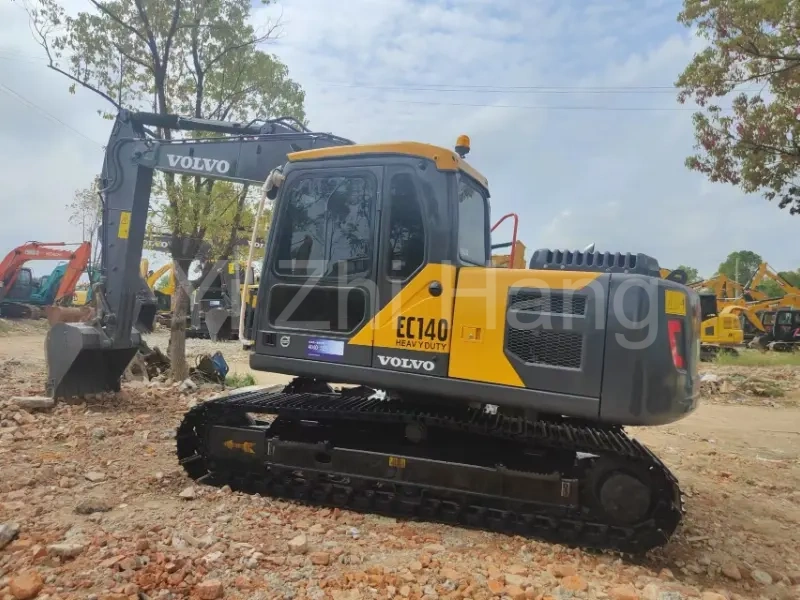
(210, 589)
(518, 580)
(517, 570)
(563, 570)
(88, 506)
(623, 592)
(320, 558)
(730, 570)
(8, 531)
(496, 586)
(712, 596)
(31, 403)
(761, 577)
(188, 493)
(66, 549)
(515, 592)
(187, 385)
(98, 433)
(298, 544)
(574, 583)
(26, 585)
(415, 566)
(449, 573)
(651, 592)
(95, 476)
(794, 577)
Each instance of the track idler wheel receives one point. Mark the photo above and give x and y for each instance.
(621, 492)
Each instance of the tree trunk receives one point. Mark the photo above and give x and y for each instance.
(180, 310)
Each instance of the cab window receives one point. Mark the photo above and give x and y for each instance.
(406, 228)
(327, 227)
(472, 223)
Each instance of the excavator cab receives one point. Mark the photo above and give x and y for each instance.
(24, 286)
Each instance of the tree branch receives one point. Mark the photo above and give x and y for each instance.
(171, 33)
(118, 20)
(88, 86)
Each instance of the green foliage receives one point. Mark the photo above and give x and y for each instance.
(753, 44)
(237, 380)
(748, 263)
(691, 273)
(791, 277)
(754, 358)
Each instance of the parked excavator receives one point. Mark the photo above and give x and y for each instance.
(504, 391)
(22, 295)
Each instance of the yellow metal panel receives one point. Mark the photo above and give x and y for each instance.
(414, 319)
(445, 160)
(479, 318)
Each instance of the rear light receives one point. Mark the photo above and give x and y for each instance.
(676, 342)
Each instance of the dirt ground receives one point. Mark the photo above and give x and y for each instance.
(91, 507)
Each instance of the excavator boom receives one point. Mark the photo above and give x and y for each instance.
(84, 358)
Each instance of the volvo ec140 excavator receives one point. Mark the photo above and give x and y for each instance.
(478, 396)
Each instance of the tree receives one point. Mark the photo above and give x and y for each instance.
(197, 57)
(691, 273)
(753, 43)
(85, 211)
(740, 266)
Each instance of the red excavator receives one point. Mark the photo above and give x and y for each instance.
(21, 294)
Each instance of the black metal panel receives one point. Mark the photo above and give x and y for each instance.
(641, 385)
(606, 262)
(554, 338)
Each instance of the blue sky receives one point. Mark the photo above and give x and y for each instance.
(528, 81)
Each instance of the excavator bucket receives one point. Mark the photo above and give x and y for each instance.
(79, 361)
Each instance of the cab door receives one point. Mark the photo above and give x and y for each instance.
(415, 289)
(317, 290)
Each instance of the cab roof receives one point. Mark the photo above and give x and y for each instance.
(445, 160)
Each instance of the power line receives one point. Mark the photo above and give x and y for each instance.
(545, 107)
(533, 89)
(472, 88)
(47, 114)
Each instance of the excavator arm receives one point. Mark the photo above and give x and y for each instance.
(75, 268)
(84, 358)
(764, 271)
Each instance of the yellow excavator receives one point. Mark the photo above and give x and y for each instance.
(425, 383)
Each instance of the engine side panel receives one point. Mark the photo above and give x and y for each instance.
(530, 329)
(641, 385)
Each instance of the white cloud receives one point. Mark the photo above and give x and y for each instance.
(574, 176)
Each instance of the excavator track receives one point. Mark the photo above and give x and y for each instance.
(560, 481)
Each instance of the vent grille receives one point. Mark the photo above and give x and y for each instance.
(553, 348)
(535, 302)
(612, 262)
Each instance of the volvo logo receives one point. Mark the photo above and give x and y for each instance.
(285, 340)
(195, 163)
(406, 363)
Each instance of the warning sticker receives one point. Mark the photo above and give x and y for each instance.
(675, 303)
